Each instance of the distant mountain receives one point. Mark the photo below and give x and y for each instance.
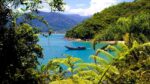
(58, 22)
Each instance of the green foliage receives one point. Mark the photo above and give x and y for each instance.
(55, 69)
(128, 66)
(19, 50)
(56, 5)
(78, 32)
(19, 53)
(82, 72)
(133, 65)
(134, 28)
(105, 22)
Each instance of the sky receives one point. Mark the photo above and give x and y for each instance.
(85, 7)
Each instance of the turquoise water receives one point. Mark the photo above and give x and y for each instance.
(53, 47)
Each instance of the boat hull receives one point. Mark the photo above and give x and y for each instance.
(77, 48)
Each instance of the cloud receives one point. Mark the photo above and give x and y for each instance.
(82, 9)
(67, 8)
(44, 7)
(95, 6)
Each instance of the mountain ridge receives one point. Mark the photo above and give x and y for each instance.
(58, 22)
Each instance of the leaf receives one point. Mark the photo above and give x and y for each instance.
(112, 48)
(93, 66)
(114, 70)
(67, 81)
(103, 74)
(69, 69)
(108, 55)
(79, 68)
(88, 73)
(100, 60)
(43, 68)
(135, 44)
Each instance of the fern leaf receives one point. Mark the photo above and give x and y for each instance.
(122, 47)
(114, 70)
(99, 60)
(92, 66)
(103, 74)
(108, 55)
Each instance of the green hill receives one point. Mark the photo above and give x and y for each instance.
(103, 21)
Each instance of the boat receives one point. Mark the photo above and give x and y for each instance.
(76, 48)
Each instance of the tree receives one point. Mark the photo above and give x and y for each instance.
(100, 22)
(133, 65)
(129, 29)
(19, 50)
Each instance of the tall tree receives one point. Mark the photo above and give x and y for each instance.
(19, 50)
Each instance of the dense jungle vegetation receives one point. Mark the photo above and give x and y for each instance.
(105, 24)
(19, 51)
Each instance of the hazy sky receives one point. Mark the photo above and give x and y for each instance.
(86, 7)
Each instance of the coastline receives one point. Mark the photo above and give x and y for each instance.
(78, 39)
(90, 40)
(86, 40)
(112, 42)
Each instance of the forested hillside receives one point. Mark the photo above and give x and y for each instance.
(103, 24)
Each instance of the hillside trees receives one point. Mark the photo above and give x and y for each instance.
(137, 27)
(102, 21)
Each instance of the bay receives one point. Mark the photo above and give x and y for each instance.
(53, 47)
